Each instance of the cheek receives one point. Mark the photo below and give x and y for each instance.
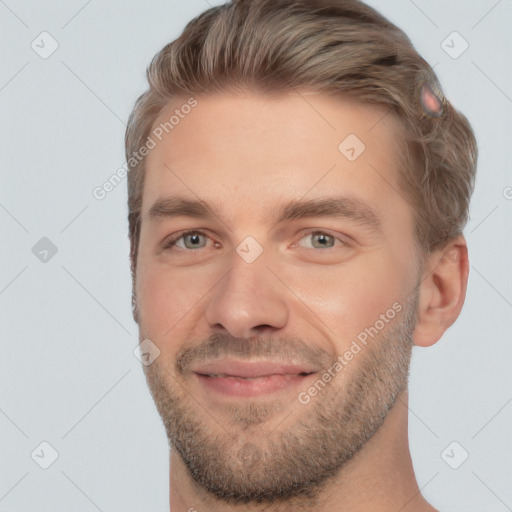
(350, 298)
(161, 298)
(169, 299)
(164, 307)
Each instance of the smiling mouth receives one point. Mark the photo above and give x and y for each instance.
(223, 375)
(225, 386)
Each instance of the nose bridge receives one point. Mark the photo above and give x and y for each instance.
(248, 299)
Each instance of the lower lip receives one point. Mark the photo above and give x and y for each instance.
(238, 386)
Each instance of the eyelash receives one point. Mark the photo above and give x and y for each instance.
(170, 243)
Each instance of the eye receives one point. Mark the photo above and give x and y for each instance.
(190, 240)
(321, 240)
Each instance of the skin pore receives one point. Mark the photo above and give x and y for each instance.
(301, 289)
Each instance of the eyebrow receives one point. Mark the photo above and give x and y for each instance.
(333, 206)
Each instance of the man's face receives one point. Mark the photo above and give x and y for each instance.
(255, 306)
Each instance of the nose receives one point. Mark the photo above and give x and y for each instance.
(249, 301)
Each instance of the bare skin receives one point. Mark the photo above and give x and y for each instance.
(248, 156)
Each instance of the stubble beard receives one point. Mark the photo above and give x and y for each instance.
(249, 459)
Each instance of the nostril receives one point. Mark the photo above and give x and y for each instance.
(263, 327)
(262, 330)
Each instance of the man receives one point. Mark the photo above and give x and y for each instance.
(298, 188)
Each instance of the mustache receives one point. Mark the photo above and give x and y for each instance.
(281, 349)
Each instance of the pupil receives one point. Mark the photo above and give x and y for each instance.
(322, 239)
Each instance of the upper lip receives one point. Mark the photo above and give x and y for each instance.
(235, 368)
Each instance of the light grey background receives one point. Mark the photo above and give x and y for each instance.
(68, 373)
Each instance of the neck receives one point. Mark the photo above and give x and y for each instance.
(379, 477)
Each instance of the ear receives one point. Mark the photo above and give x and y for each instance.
(442, 291)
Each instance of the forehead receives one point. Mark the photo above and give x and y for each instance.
(272, 148)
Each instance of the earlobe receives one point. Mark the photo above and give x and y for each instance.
(442, 291)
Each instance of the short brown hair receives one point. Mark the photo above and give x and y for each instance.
(334, 46)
